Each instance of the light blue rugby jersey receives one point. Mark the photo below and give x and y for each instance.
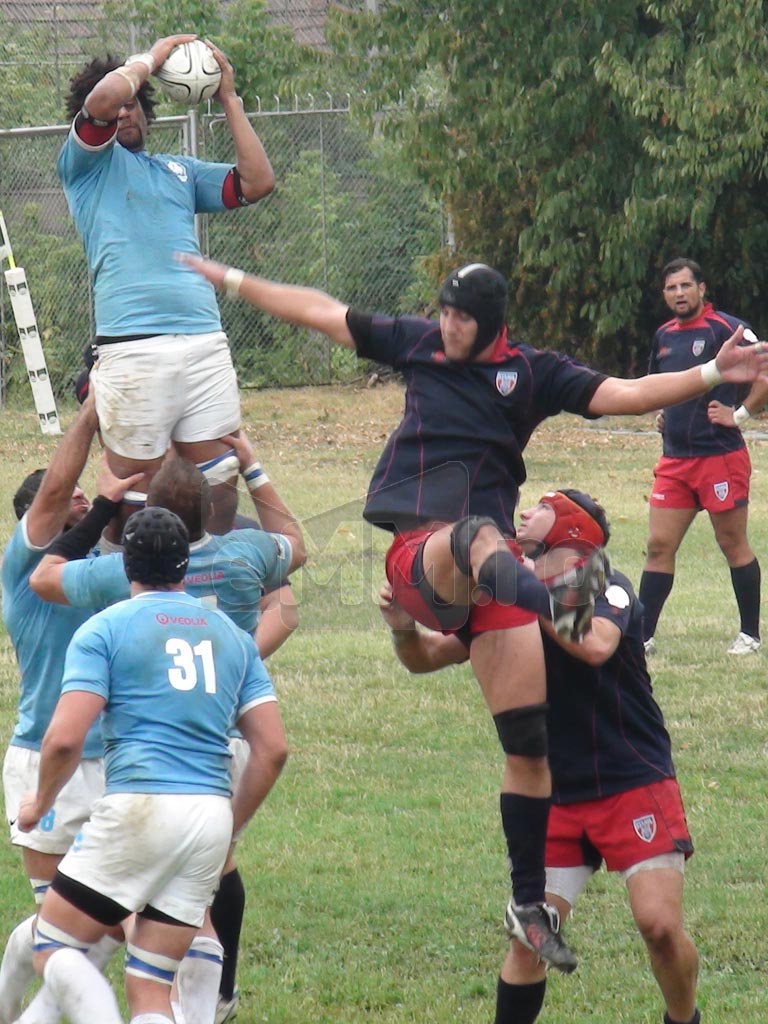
(229, 572)
(175, 675)
(133, 211)
(40, 633)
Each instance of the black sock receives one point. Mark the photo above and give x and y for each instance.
(510, 583)
(746, 587)
(695, 1019)
(518, 1004)
(655, 588)
(524, 820)
(227, 912)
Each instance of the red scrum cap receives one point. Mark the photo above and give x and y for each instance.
(578, 518)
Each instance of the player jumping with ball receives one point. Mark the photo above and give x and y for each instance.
(164, 369)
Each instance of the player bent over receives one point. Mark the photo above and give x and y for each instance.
(615, 795)
(168, 675)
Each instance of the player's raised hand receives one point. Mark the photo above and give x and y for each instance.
(114, 487)
(210, 269)
(227, 87)
(242, 447)
(162, 47)
(738, 363)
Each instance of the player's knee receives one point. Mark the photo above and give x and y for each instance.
(141, 963)
(523, 731)
(463, 534)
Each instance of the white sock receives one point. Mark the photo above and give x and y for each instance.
(42, 1010)
(151, 1018)
(16, 970)
(178, 1015)
(82, 992)
(198, 980)
(101, 952)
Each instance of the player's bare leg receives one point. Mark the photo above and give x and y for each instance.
(656, 898)
(224, 493)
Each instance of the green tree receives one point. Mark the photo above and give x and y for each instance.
(555, 138)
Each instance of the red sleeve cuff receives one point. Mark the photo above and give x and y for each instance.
(229, 194)
(94, 134)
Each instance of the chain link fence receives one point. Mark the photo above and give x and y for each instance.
(343, 217)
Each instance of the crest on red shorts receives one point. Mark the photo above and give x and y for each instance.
(698, 346)
(721, 490)
(645, 827)
(505, 382)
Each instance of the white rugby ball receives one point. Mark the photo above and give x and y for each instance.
(190, 73)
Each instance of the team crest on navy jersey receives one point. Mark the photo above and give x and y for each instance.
(698, 346)
(645, 827)
(721, 490)
(505, 382)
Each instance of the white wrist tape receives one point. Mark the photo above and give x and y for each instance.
(255, 477)
(710, 373)
(130, 77)
(741, 415)
(233, 278)
(145, 58)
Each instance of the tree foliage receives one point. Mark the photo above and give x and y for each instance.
(578, 146)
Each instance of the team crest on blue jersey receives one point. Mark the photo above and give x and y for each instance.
(505, 382)
(645, 827)
(698, 346)
(178, 169)
(721, 490)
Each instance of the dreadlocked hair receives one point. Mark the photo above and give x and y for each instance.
(89, 76)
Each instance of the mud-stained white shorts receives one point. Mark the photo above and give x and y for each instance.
(179, 387)
(163, 849)
(58, 829)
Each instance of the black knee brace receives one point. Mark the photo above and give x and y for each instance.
(523, 731)
(462, 535)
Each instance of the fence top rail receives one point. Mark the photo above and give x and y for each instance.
(57, 129)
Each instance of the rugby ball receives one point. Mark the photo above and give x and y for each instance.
(190, 73)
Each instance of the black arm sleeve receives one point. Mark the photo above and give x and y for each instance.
(359, 325)
(78, 541)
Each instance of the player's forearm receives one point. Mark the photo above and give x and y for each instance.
(58, 762)
(257, 178)
(260, 774)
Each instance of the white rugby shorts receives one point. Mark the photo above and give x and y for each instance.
(57, 830)
(179, 387)
(166, 849)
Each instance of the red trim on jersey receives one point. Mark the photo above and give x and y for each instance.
(94, 134)
(708, 313)
(228, 192)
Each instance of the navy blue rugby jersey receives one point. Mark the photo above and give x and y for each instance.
(606, 732)
(687, 431)
(458, 449)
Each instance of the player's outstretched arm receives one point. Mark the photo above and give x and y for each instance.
(51, 505)
(305, 307)
(46, 580)
(735, 363)
(274, 515)
(257, 179)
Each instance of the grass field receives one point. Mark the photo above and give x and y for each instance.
(375, 872)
